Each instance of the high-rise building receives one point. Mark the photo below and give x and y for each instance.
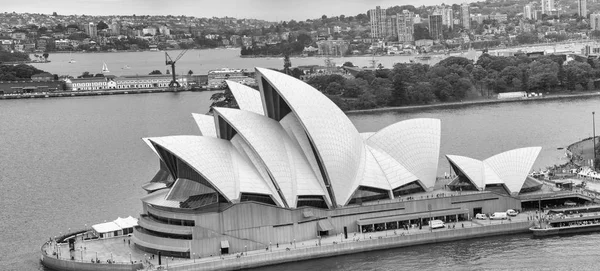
(406, 26)
(435, 27)
(391, 27)
(378, 21)
(528, 11)
(547, 6)
(582, 8)
(595, 21)
(465, 16)
(91, 29)
(447, 15)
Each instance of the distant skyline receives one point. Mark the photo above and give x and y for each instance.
(270, 10)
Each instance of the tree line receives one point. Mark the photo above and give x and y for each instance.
(456, 79)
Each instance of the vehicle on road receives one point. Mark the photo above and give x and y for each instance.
(499, 216)
(511, 212)
(436, 224)
(481, 216)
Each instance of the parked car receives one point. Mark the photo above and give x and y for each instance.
(511, 212)
(481, 216)
(499, 216)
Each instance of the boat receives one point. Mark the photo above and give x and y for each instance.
(126, 67)
(104, 68)
(72, 60)
(571, 220)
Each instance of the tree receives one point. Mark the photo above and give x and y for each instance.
(223, 99)
(102, 25)
(46, 55)
(287, 64)
(155, 72)
(577, 74)
(190, 72)
(347, 64)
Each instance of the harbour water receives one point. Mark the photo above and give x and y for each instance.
(198, 61)
(70, 163)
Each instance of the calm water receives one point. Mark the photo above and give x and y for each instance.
(75, 161)
(199, 61)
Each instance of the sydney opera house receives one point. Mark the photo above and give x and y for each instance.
(288, 166)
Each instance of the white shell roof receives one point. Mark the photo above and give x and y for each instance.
(472, 168)
(183, 188)
(413, 143)
(246, 97)
(366, 135)
(206, 124)
(509, 168)
(295, 131)
(338, 143)
(396, 174)
(150, 145)
(213, 158)
(513, 166)
(373, 174)
(281, 156)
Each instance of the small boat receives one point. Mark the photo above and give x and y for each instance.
(72, 60)
(126, 67)
(104, 68)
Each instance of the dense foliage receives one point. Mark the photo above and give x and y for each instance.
(13, 57)
(17, 72)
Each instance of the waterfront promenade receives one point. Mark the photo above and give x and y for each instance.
(308, 249)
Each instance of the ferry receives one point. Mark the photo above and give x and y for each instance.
(569, 221)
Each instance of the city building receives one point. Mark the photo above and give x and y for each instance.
(595, 21)
(447, 15)
(465, 16)
(333, 47)
(582, 8)
(149, 31)
(548, 7)
(115, 28)
(164, 30)
(91, 30)
(528, 12)
(216, 78)
(498, 17)
(122, 82)
(391, 27)
(289, 165)
(435, 27)
(406, 26)
(378, 22)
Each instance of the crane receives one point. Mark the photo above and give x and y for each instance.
(170, 61)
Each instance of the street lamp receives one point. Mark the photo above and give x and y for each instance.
(294, 242)
(130, 258)
(194, 255)
(594, 139)
(245, 250)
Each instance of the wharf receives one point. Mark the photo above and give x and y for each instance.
(88, 93)
(121, 251)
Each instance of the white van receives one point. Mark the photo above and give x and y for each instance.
(481, 216)
(499, 215)
(436, 224)
(511, 212)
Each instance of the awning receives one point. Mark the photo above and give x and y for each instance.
(225, 244)
(324, 225)
(307, 213)
(106, 227)
(377, 220)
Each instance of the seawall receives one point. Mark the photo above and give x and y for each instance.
(478, 102)
(350, 247)
(66, 265)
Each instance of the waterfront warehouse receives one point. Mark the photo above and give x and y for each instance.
(289, 166)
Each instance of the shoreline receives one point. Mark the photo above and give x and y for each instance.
(476, 102)
(88, 93)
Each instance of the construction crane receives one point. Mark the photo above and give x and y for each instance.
(170, 61)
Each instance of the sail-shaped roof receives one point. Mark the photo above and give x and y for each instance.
(206, 124)
(336, 142)
(246, 97)
(415, 144)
